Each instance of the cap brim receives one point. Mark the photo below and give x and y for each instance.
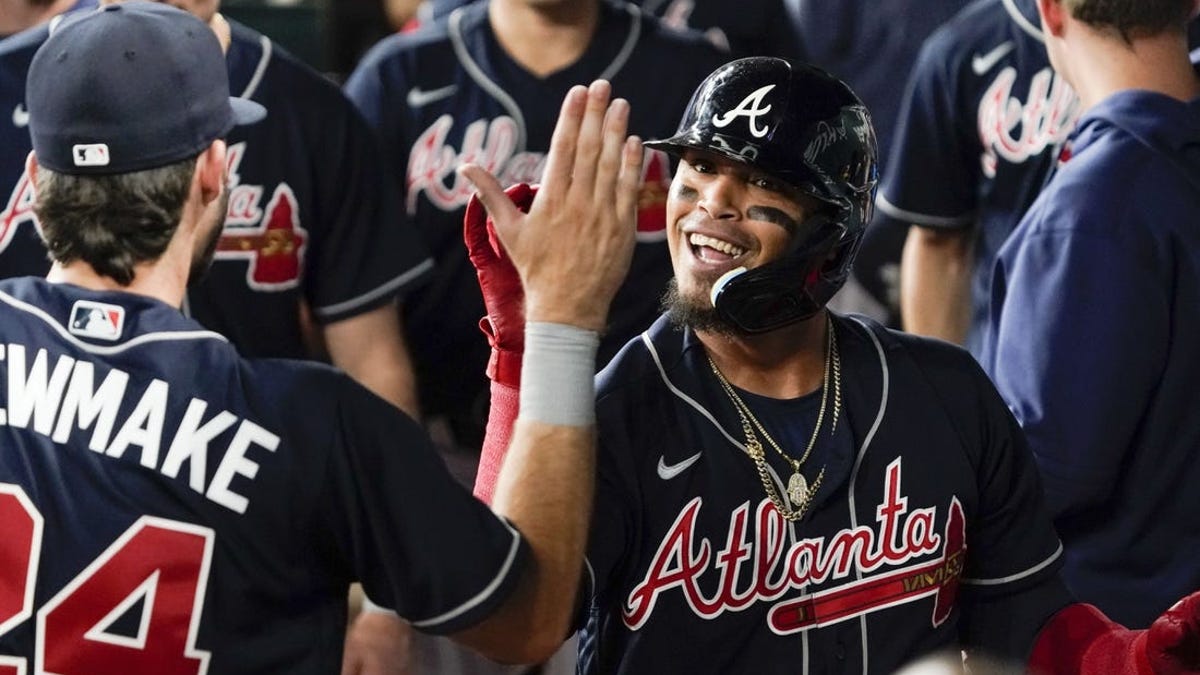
(246, 111)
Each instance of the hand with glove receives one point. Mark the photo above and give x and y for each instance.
(504, 325)
(552, 256)
(503, 296)
(1080, 640)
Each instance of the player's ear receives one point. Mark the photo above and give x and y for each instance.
(210, 170)
(1053, 15)
(31, 167)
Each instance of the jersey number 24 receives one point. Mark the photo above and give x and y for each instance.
(163, 563)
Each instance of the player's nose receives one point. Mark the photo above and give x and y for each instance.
(719, 197)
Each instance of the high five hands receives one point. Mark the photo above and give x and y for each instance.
(574, 246)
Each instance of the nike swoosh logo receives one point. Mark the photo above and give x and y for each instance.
(418, 98)
(981, 63)
(20, 116)
(666, 472)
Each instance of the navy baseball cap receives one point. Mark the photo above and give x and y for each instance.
(128, 87)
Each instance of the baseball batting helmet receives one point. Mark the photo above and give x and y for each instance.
(807, 128)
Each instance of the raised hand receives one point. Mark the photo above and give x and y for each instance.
(573, 248)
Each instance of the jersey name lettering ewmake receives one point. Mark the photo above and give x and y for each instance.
(56, 401)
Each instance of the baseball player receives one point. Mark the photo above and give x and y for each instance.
(171, 507)
(475, 88)
(981, 124)
(872, 46)
(311, 227)
(1094, 308)
(781, 489)
(744, 28)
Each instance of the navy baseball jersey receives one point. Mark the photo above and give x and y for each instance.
(744, 28)
(1093, 344)
(312, 217)
(983, 118)
(170, 507)
(449, 94)
(927, 532)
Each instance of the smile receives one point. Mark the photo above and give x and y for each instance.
(710, 249)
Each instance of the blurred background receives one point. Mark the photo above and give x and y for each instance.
(329, 35)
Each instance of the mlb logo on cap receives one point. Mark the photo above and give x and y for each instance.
(97, 320)
(95, 154)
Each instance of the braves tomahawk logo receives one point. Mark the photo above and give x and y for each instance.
(1015, 131)
(757, 564)
(492, 144)
(271, 240)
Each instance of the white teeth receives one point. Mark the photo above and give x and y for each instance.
(725, 247)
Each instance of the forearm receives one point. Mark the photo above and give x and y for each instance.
(545, 489)
(935, 283)
(371, 348)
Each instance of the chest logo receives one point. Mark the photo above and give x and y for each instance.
(751, 107)
(493, 145)
(271, 240)
(762, 560)
(1013, 131)
(669, 471)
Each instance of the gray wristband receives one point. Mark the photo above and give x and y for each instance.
(558, 374)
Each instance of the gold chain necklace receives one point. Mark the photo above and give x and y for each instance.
(798, 490)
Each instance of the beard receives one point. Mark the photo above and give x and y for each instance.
(697, 314)
(202, 259)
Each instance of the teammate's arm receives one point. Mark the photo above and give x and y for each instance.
(371, 348)
(572, 251)
(935, 282)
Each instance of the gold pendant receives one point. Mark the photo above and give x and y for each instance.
(797, 489)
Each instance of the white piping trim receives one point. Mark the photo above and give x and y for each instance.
(631, 40)
(858, 460)
(862, 451)
(687, 399)
(920, 219)
(261, 69)
(374, 294)
(1022, 21)
(115, 349)
(488, 590)
(476, 73)
(1019, 575)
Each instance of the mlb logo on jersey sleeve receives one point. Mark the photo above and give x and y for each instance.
(97, 320)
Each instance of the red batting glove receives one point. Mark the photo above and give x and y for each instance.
(503, 296)
(1080, 640)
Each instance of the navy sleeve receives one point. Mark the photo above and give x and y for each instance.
(929, 175)
(369, 88)
(418, 541)
(614, 515)
(1010, 584)
(1070, 302)
(371, 252)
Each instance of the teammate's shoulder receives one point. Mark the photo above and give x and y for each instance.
(645, 358)
(979, 24)
(671, 42)
(17, 50)
(430, 38)
(937, 358)
(255, 58)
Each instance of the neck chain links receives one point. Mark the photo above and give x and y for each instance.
(798, 490)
